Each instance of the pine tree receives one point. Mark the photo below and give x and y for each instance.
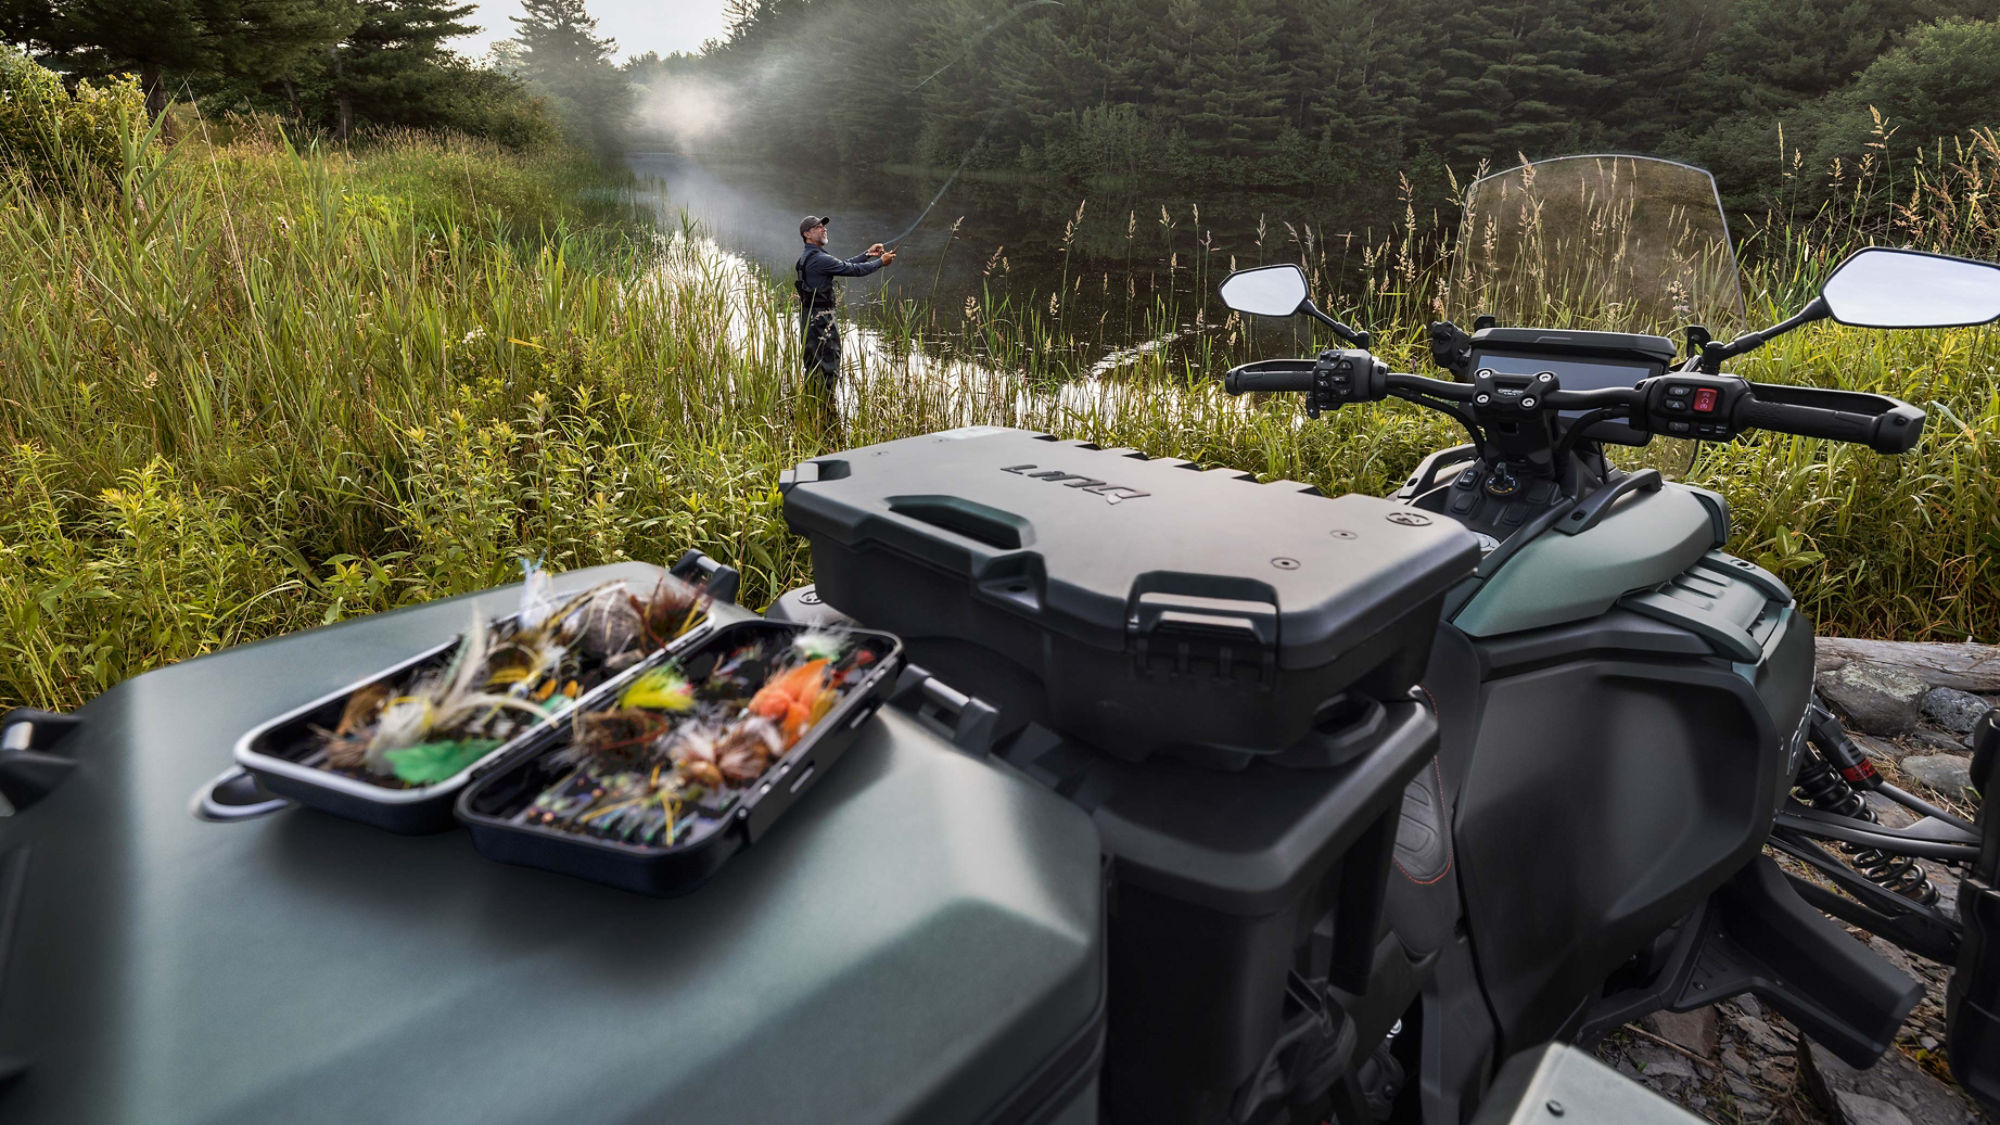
(562, 56)
(394, 62)
(252, 39)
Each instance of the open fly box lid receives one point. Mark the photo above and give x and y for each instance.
(1178, 572)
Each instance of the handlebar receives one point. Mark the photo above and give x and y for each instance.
(1676, 404)
(1270, 375)
(1879, 422)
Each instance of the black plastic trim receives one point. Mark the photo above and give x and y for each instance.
(1591, 511)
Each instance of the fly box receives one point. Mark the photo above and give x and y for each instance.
(694, 759)
(395, 749)
(1140, 604)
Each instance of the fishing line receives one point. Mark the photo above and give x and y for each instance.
(971, 149)
(949, 180)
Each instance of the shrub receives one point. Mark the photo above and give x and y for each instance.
(61, 140)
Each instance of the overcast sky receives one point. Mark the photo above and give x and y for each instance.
(639, 26)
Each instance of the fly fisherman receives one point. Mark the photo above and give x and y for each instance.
(816, 270)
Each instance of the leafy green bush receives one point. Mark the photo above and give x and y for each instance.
(65, 141)
(1942, 82)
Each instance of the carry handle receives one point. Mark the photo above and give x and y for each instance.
(966, 722)
(235, 794)
(720, 579)
(28, 770)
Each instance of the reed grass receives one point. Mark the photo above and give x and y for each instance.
(256, 389)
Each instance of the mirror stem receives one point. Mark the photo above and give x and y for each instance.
(1713, 352)
(1358, 338)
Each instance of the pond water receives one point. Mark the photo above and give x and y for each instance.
(1113, 274)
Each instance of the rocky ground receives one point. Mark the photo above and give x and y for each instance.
(1911, 708)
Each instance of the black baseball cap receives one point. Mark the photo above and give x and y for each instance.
(810, 222)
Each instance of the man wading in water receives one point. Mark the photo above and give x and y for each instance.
(816, 270)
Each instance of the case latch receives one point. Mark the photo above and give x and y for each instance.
(1227, 638)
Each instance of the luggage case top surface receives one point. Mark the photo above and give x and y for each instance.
(1101, 545)
(911, 944)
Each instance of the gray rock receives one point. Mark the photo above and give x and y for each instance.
(1946, 773)
(1967, 667)
(1762, 1036)
(1659, 1063)
(1880, 749)
(1860, 1109)
(1888, 813)
(1937, 740)
(1695, 1031)
(1894, 1081)
(1954, 710)
(1733, 1061)
(1874, 698)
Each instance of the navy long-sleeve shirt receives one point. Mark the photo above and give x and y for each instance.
(816, 270)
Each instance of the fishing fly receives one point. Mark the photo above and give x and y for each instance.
(505, 677)
(688, 740)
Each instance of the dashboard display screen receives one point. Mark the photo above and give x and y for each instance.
(1573, 373)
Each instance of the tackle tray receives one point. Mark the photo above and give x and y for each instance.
(277, 752)
(1139, 604)
(492, 807)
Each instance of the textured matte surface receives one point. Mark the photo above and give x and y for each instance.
(909, 944)
(1093, 531)
(1646, 540)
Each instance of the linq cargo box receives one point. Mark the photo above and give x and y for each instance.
(863, 962)
(1140, 604)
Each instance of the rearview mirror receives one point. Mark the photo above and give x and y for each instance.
(1266, 290)
(1883, 288)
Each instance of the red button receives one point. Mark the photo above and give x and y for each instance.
(1704, 401)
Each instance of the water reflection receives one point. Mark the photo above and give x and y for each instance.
(760, 323)
(1104, 278)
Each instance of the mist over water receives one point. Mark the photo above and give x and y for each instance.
(1091, 279)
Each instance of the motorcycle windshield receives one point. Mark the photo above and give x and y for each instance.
(1616, 243)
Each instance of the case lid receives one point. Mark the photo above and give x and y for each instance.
(1116, 549)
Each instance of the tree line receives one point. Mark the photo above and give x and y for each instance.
(1348, 93)
(341, 65)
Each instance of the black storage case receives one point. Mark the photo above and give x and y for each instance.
(489, 807)
(1243, 905)
(1143, 605)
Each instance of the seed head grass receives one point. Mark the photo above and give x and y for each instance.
(255, 388)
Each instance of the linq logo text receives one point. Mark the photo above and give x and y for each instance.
(1112, 493)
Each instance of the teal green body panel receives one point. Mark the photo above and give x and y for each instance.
(914, 939)
(1646, 540)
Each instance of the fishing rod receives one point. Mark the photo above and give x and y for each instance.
(977, 38)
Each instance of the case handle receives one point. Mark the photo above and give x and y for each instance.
(721, 579)
(235, 794)
(28, 772)
(968, 723)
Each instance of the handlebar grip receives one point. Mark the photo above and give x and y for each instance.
(1895, 430)
(1269, 377)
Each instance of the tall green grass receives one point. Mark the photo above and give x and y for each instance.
(256, 389)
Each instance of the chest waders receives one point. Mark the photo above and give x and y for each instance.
(819, 333)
